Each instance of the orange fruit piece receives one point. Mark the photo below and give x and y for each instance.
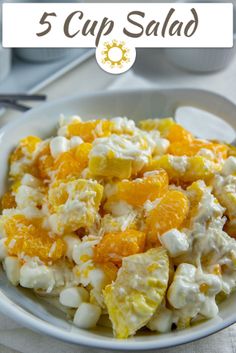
(8, 201)
(110, 271)
(195, 168)
(191, 149)
(72, 163)
(150, 187)
(114, 246)
(44, 162)
(67, 164)
(26, 146)
(182, 143)
(169, 213)
(29, 238)
(89, 130)
(178, 133)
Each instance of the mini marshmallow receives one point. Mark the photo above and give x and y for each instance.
(162, 321)
(75, 141)
(12, 267)
(59, 145)
(87, 315)
(175, 242)
(30, 180)
(161, 146)
(82, 252)
(229, 166)
(97, 278)
(73, 297)
(71, 242)
(36, 276)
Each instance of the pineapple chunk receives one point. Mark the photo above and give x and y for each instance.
(120, 156)
(73, 204)
(162, 125)
(138, 291)
(110, 167)
(225, 190)
(184, 169)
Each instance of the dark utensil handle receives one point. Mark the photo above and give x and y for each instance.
(14, 106)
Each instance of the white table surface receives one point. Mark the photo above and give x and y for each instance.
(88, 78)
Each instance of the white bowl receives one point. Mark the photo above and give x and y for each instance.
(203, 60)
(21, 304)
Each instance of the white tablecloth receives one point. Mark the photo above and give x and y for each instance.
(13, 337)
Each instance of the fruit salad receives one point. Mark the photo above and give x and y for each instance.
(123, 225)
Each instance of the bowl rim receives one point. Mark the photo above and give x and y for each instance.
(25, 318)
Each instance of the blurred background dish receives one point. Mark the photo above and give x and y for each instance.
(44, 54)
(5, 62)
(5, 54)
(202, 59)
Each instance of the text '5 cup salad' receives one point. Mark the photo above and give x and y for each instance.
(123, 225)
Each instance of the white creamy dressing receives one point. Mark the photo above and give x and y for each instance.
(179, 163)
(123, 125)
(185, 292)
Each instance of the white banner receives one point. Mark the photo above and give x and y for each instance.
(142, 25)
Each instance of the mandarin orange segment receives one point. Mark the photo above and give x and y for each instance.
(89, 130)
(219, 150)
(72, 163)
(114, 246)
(138, 191)
(169, 213)
(26, 146)
(67, 164)
(29, 238)
(177, 133)
(44, 162)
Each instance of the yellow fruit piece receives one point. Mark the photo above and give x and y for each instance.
(184, 169)
(178, 133)
(89, 130)
(195, 193)
(66, 165)
(26, 147)
(110, 271)
(131, 300)
(62, 198)
(44, 162)
(220, 151)
(169, 213)
(138, 191)
(224, 191)
(231, 151)
(114, 246)
(8, 200)
(109, 166)
(163, 125)
(29, 238)
(72, 163)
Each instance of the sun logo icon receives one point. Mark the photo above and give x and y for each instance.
(115, 56)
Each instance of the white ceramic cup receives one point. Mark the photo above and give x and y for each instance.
(202, 59)
(42, 54)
